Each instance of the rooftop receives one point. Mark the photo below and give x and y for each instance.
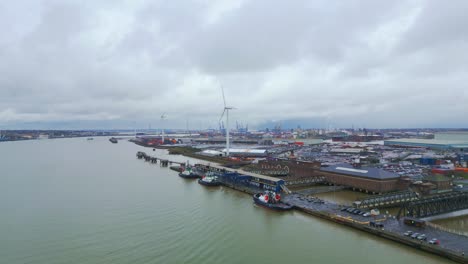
(245, 150)
(453, 143)
(367, 172)
(436, 178)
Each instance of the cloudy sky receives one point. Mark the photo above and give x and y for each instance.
(122, 63)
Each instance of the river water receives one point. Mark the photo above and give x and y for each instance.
(79, 201)
(455, 136)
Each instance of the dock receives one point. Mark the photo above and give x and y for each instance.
(258, 180)
(453, 246)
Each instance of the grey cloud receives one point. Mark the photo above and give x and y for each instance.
(379, 63)
(439, 23)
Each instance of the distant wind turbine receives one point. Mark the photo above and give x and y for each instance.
(163, 116)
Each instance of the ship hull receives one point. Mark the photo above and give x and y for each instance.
(202, 182)
(188, 176)
(279, 206)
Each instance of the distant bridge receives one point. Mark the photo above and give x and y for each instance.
(435, 205)
(274, 173)
(387, 200)
(304, 180)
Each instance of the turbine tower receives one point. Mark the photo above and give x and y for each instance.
(163, 116)
(226, 110)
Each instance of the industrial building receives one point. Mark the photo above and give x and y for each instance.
(373, 180)
(234, 152)
(283, 167)
(244, 152)
(429, 143)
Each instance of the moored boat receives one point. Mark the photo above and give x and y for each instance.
(209, 180)
(271, 200)
(113, 140)
(188, 174)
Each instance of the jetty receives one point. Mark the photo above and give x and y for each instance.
(151, 159)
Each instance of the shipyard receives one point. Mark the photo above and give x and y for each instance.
(404, 183)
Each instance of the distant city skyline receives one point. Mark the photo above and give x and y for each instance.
(121, 64)
(130, 125)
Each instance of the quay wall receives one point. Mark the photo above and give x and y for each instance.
(437, 250)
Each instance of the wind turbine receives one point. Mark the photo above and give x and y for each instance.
(163, 116)
(226, 110)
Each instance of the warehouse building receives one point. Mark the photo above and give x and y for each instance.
(372, 180)
(244, 152)
(429, 143)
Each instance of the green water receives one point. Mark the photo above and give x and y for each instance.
(79, 201)
(456, 136)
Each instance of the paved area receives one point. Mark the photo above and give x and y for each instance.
(311, 203)
(455, 242)
(323, 189)
(447, 240)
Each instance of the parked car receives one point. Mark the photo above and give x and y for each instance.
(344, 209)
(434, 241)
(422, 237)
(415, 235)
(366, 214)
(408, 233)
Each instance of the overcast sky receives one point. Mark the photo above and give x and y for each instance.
(121, 64)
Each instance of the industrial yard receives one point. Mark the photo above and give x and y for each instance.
(396, 182)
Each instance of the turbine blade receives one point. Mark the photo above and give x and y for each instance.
(221, 118)
(224, 99)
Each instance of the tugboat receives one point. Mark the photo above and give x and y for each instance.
(113, 140)
(188, 174)
(209, 180)
(271, 200)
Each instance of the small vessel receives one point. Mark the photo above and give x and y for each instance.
(209, 180)
(271, 200)
(188, 174)
(90, 138)
(113, 140)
